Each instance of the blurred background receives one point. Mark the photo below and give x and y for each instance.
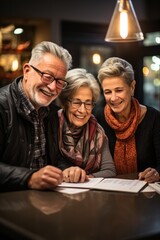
(81, 26)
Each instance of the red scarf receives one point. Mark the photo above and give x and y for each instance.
(82, 146)
(125, 155)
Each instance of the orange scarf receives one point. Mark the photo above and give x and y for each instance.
(125, 155)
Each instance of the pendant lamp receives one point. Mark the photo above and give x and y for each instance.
(124, 26)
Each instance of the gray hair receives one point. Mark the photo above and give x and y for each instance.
(116, 67)
(77, 78)
(49, 47)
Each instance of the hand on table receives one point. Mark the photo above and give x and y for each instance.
(74, 174)
(46, 178)
(149, 175)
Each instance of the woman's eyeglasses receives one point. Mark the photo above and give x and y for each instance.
(48, 78)
(76, 103)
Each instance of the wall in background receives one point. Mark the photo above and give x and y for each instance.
(83, 24)
(91, 11)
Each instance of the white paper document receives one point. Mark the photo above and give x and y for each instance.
(122, 185)
(89, 184)
(109, 184)
(155, 186)
(148, 189)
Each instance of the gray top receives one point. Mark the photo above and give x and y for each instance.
(107, 167)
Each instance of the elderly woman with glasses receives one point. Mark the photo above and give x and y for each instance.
(83, 142)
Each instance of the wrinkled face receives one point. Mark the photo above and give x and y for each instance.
(118, 94)
(40, 93)
(76, 114)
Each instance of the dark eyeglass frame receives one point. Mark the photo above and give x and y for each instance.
(89, 105)
(60, 83)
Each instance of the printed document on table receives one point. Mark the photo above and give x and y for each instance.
(155, 186)
(88, 184)
(122, 185)
(109, 184)
(148, 189)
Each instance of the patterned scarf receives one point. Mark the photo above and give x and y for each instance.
(82, 145)
(125, 156)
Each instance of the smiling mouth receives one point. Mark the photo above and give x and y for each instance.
(79, 117)
(47, 93)
(115, 104)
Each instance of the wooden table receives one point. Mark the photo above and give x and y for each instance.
(92, 215)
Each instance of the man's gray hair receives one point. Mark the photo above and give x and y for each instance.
(49, 47)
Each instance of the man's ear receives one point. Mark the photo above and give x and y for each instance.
(26, 69)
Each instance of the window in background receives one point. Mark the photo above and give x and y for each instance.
(152, 39)
(92, 57)
(17, 38)
(151, 87)
(151, 72)
(15, 46)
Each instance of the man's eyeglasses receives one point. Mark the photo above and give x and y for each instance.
(48, 78)
(76, 103)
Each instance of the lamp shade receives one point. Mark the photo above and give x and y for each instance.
(124, 26)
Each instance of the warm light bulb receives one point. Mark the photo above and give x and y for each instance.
(96, 58)
(18, 31)
(123, 24)
(145, 71)
(15, 64)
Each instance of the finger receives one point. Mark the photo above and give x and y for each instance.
(52, 180)
(147, 170)
(153, 178)
(87, 177)
(52, 175)
(66, 179)
(83, 177)
(156, 174)
(145, 174)
(52, 169)
(74, 174)
(150, 173)
(77, 175)
(140, 176)
(66, 175)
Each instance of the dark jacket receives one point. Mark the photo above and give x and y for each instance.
(17, 136)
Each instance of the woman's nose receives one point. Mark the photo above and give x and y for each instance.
(113, 96)
(82, 108)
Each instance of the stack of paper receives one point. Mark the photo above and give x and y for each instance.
(155, 186)
(108, 184)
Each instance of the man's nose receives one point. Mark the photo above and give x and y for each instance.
(52, 86)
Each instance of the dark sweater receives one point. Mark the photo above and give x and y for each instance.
(147, 138)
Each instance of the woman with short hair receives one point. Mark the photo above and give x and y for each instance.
(133, 129)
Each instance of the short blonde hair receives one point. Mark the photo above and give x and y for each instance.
(116, 67)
